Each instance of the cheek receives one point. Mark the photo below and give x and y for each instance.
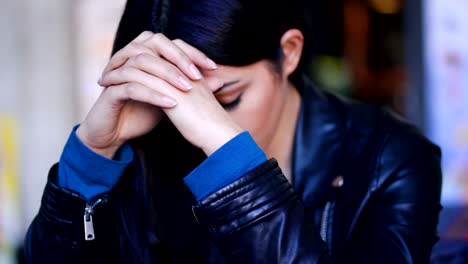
(259, 113)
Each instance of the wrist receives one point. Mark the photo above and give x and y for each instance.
(216, 141)
(106, 151)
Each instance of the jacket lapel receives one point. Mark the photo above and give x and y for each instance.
(318, 147)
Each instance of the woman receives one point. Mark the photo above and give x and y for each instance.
(207, 146)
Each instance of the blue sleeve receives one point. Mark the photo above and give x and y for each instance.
(88, 173)
(227, 164)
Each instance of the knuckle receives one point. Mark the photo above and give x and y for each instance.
(130, 61)
(158, 36)
(114, 91)
(140, 48)
(146, 34)
(130, 90)
(119, 54)
(140, 59)
(125, 72)
(135, 45)
(181, 55)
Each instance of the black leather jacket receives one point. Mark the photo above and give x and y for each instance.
(365, 189)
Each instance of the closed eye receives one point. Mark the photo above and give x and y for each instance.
(233, 104)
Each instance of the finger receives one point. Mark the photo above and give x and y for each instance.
(214, 83)
(148, 65)
(140, 93)
(143, 37)
(121, 57)
(198, 57)
(171, 52)
(132, 75)
(132, 49)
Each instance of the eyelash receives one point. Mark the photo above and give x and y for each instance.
(233, 104)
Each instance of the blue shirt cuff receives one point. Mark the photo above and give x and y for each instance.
(88, 173)
(227, 164)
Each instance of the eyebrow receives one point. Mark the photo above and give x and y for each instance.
(225, 85)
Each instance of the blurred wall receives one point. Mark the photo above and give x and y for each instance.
(96, 24)
(37, 88)
(53, 52)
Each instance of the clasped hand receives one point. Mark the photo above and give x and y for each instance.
(151, 76)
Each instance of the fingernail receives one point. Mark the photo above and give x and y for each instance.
(196, 73)
(169, 101)
(212, 64)
(185, 82)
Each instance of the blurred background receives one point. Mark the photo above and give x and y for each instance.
(409, 55)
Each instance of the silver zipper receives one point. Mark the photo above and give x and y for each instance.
(324, 223)
(88, 219)
(194, 215)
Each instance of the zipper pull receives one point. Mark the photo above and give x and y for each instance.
(88, 218)
(88, 223)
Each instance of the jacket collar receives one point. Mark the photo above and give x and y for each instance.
(319, 151)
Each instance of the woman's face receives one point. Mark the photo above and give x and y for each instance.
(254, 96)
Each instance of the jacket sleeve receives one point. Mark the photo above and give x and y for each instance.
(56, 234)
(86, 172)
(259, 219)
